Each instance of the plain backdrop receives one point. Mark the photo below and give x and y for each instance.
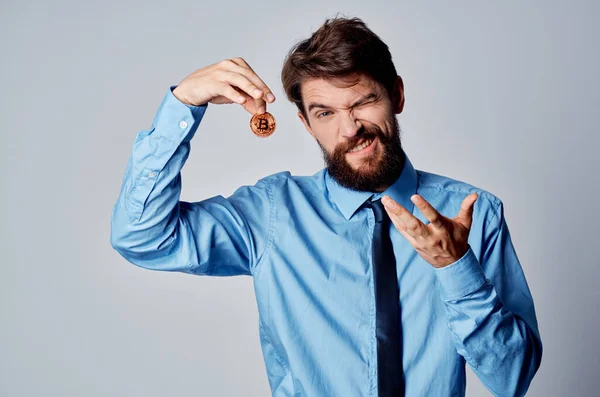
(502, 95)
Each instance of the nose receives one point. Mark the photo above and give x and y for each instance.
(349, 126)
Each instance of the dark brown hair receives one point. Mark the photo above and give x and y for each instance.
(340, 48)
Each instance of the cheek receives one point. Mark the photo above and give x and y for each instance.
(327, 140)
(377, 116)
(373, 112)
(325, 132)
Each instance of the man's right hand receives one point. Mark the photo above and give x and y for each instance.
(228, 81)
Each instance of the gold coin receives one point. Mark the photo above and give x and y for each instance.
(263, 124)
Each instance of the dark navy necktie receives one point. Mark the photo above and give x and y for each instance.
(387, 302)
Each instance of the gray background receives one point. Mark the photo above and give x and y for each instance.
(502, 95)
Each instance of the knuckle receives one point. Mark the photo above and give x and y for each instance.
(219, 74)
(229, 89)
(444, 235)
(226, 63)
(413, 227)
(433, 240)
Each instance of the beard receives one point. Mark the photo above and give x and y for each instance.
(378, 169)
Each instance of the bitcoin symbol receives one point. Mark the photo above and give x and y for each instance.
(262, 125)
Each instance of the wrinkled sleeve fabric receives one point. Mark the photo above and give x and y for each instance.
(490, 311)
(153, 229)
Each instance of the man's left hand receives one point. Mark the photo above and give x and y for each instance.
(441, 242)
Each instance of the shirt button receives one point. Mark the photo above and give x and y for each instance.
(151, 174)
(183, 124)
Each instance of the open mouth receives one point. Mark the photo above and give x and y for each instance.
(363, 147)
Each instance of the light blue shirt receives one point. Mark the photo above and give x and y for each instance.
(307, 243)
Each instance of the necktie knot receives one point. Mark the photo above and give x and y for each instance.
(378, 210)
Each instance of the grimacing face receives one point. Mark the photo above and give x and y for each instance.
(343, 115)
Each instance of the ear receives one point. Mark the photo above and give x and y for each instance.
(306, 124)
(398, 101)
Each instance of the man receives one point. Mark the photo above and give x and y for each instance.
(372, 278)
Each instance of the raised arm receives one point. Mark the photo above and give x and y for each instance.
(151, 227)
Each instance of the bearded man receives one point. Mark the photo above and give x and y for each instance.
(372, 277)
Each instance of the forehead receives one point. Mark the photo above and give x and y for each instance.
(339, 92)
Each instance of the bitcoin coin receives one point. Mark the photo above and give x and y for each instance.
(263, 124)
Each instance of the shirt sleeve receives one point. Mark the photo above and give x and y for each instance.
(153, 229)
(490, 312)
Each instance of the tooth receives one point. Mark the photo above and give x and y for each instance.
(361, 146)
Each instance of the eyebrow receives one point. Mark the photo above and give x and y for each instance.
(368, 97)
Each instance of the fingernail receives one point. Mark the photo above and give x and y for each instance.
(258, 92)
(262, 109)
(270, 97)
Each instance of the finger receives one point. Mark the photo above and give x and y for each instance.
(231, 93)
(249, 104)
(414, 226)
(466, 209)
(401, 227)
(239, 81)
(408, 237)
(252, 90)
(432, 215)
(245, 69)
(240, 66)
(260, 105)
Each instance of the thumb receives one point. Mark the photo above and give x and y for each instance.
(252, 106)
(465, 215)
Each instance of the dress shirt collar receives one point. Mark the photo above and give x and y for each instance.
(349, 200)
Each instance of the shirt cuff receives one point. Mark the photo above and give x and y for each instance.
(176, 120)
(460, 278)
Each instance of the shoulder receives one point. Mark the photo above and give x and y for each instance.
(455, 190)
(276, 177)
(283, 180)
